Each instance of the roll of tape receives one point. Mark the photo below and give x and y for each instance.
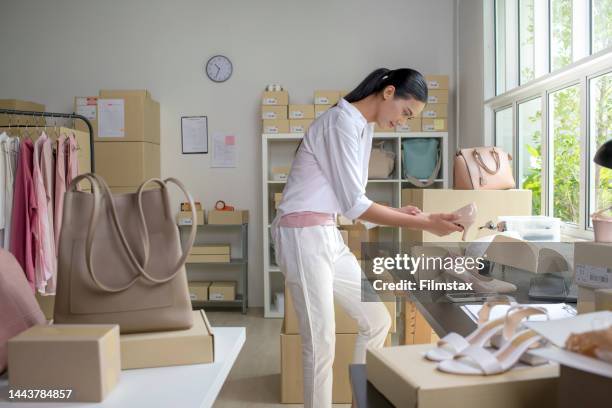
(219, 205)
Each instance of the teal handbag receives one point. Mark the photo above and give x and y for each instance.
(421, 160)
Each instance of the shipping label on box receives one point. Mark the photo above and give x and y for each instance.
(275, 126)
(299, 125)
(87, 106)
(273, 112)
(326, 97)
(437, 96)
(301, 112)
(111, 118)
(437, 81)
(275, 98)
(437, 110)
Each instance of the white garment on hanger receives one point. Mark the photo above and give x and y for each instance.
(3, 176)
(9, 148)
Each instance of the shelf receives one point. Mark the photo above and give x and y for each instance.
(383, 181)
(377, 135)
(277, 182)
(234, 261)
(274, 268)
(438, 180)
(214, 225)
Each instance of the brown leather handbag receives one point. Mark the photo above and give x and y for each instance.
(120, 259)
(483, 168)
(18, 307)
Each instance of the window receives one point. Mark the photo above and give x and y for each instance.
(500, 46)
(564, 136)
(503, 129)
(601, 30)
(526, 40)
(560, 33)
(600, 130)
(530, 150)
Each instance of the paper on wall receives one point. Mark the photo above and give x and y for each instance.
(87, 107)
(194, 131)
(111, 118)
(224, 150)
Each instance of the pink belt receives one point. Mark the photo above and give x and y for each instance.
(306, 219)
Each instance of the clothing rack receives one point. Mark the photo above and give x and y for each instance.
(56, 115)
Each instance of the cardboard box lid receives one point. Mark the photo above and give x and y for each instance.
(118, 93)
(201, 327)
(200, 284)
(66, 332)
(421, 374)
(223, 284)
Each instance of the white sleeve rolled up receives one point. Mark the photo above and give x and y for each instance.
(340, 161)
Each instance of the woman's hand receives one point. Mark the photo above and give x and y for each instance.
(441, 224)
(409, 209)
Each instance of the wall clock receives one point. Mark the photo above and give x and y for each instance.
(219, 68)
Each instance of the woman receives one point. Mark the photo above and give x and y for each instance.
(328, 176)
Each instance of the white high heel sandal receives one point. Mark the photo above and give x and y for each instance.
(476, 360)
(453, 343)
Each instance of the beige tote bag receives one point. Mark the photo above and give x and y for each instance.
(483, 168)
(382, 162)
(120, 259)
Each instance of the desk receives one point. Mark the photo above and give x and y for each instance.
(186, 386)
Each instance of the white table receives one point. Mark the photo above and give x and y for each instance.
(187, 386)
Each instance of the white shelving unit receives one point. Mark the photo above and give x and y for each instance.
(279, 150)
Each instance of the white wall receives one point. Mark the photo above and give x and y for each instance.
(470, 73)
(51, 51)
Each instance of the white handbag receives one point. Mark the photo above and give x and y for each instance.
(382, 162)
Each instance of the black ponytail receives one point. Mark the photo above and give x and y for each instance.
(408, 84)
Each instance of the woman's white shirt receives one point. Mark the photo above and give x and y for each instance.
(330, 171)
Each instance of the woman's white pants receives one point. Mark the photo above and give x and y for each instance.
(319, 268)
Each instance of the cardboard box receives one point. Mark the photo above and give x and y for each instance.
(214, 258)
(86, 106)
(410, 125)
(273, 112)
(301, 112)
(222, 291)
(211, 249)
(141, 116)
(437, 81)
(275, 98)
(407, 380)
(490, 203)
(321, 109)
(586, 300)
(198, 291)
(124, 164)
(16, 104)
(378, 128)
(434, 125)
(277, 199)
(345, 238)
(326, 97)
(603, 299)
(593, 264)
(275, 126)
(228, 217)
(292, 387)
(47, 305)
(79, 357)
(435, 110)
(184, 218)
(170, 348)
(357, 234)
(299, 125)
(344, 323)
(280, 173)
(437, 96)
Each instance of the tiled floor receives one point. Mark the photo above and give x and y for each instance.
(255, 378)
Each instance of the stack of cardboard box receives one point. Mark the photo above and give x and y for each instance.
(15, 104)
(435, 114)
(291, 354)
(126, 134)
(217, 253)
(274, 112)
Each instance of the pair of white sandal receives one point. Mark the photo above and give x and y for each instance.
(468, 356)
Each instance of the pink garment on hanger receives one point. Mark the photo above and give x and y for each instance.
(72, 164)
(24, 208)
(42, 223)
(60, 188)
